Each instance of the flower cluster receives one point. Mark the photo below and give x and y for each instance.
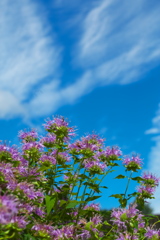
(30, 136)
(148, 185)
(60, 128)
(130, 224)
(134, 163)
(152, 233)
(47, 188)
(95, 166)
(93, 207)
(49, 140)
(124, 219)
(8, 209)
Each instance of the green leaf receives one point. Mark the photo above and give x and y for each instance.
(62, 202)
(113, 164)
(106, 223)
(92, 198)
(105, 238)
(117, 196)
(103, 187)
(58, 176)
(88, 225)
(29, 237)
(96, 179)
(110, 171)
(73, 193)
(132, 194)
(83, 176)
(123, 202)
(120, 176)
(43, 168)
(50, 201)
(138, 179)
(73, 203)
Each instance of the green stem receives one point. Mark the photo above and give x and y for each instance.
(155, 223)
(109, 231)
(78, 189)
(84, 191)
(76, 172)
(83, 195)
(101, 180)
(129, 179)
(80, 186)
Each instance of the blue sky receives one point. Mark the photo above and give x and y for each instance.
(97, 63)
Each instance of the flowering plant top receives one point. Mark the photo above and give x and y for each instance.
(48, 188)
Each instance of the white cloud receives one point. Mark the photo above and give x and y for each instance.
(156, 124)
(152, 131)
(120, 40)
(51, 96)
(28, 54)
(154, 158)
(154, 167)
(117, 44)
(66, 3)
(10, 105)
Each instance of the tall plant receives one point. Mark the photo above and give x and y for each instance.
(49, 184)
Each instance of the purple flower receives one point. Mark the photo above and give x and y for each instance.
(95, 166)
(39, 211)
(71, 177)
(126, 236)
(32, 145)
(141, 225)
(96, 219)
(28, 136)
(61, 157)
(56, 122)
(8, 209)
(150, 233)
(48, 159)
(59, 127)
(20, 220)
(48, 230)
(121, 218)
(150, 179)
(29, 191)
(113, 152)
(49, 140)
(14, 153)
(4, 148)
(90, 143)
(64, 156)
(134, 163)
(31, 172)
(7, 171)
(84, 235)
(67, 232)
(94, 139)
(26, 208)
(92, 206)
(146, 191)
(9, 154)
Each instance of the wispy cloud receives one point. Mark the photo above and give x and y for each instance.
(53, 96)
(120, 40)
(154, 157)
(155, 124)
(116, 45)
(66, 3)
(28, 53)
